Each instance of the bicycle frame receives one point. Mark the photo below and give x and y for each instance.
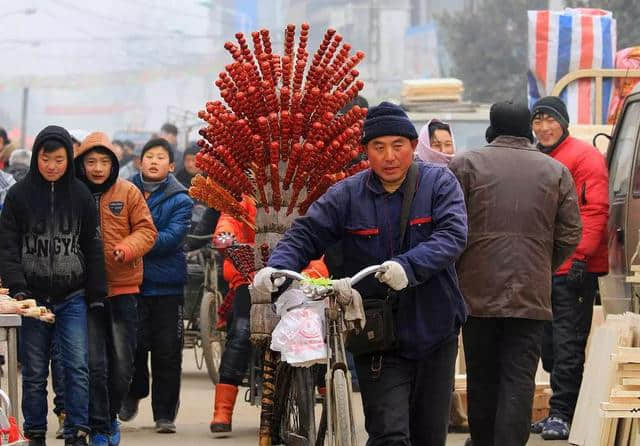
(336, 359)
(334, 338)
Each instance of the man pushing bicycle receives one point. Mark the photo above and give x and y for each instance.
(411, 218)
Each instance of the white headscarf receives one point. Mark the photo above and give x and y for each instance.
(424, 151)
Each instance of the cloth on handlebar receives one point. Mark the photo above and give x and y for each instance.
(299, 335)
(351, 300)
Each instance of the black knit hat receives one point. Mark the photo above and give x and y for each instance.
(387, 119)
(509, 119)
(554, 107)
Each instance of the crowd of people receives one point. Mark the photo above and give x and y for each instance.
(502, 243)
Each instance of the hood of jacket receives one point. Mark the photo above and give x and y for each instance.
(59, 134)
(93, 141)
(426, 153)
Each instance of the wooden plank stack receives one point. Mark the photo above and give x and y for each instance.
(608, 408)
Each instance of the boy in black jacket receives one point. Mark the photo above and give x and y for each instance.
(50, 250)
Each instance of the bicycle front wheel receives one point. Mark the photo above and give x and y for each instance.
(342, 414)
(295, 405)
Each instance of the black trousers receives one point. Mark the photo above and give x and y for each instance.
(408, 401)
(565, 340)
(502, 356)
(160, 333)
(235, 358)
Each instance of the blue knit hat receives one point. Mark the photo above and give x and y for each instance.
(387, 119)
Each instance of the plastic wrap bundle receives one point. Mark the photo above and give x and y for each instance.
(628, 58)
(570, 40)
(299, 336)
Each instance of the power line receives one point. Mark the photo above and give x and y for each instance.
(94, 14)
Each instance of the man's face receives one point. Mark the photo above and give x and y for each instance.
(547, 129)
(156, 164)
(52, 165)
(391, 156)
(97, 166)
(173, 139)
(442, 142)
(190, 165)
(118, 151)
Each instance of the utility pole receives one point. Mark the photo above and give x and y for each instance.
(23, 125)
(373, 54)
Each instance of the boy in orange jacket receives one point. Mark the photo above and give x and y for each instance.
(128, 233)
(235, 359)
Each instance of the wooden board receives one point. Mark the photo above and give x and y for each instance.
(634, 436)
(624, 431)
(627, 355)
(600, 374)
(620, 406)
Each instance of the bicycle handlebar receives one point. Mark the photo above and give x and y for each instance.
(359, 276)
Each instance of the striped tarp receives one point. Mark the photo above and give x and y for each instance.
(565, 41)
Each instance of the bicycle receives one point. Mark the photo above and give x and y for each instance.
(203, 296)
(295, 407)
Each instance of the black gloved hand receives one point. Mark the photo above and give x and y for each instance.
(577, 274)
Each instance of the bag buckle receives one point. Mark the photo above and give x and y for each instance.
(376, 367)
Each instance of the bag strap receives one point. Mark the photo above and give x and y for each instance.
(407, 200)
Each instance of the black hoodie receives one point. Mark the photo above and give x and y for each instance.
(50, 246)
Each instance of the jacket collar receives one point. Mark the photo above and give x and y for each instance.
(374, 184)
(513, 142)
(168, 189)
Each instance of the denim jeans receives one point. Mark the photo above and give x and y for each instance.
(502, 356)
(407, 402)
(57, 379)
(70, 334)
(160, 333)
(122, 326)
(112, 346)
(565, 340)
(237, 351)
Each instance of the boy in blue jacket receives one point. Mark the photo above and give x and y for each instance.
(162, 295)
(406, 391)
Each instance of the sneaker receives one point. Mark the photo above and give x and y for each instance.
(60, 431)
(555, 429)
(99, 440)
(114, 440)
(80, 439)
(129, 409)
(165, 427)
(538, 426)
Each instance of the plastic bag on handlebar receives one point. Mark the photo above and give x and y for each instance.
(299, 335)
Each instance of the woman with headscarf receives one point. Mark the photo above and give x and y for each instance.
(436, 143)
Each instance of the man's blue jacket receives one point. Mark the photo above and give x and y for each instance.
(165, 266)
(366, 218)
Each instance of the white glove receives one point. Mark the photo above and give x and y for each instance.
(263, 282)
(394, 276)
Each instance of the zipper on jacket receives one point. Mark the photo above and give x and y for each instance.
(583, 194)
(51, 235)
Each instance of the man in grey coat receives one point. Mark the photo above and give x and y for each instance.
(523, 223)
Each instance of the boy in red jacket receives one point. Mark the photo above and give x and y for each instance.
(576, 281)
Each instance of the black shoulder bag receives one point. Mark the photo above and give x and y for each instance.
(379, 332)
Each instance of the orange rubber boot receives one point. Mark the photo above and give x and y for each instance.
(223, 408)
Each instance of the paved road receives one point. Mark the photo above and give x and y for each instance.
(195, 413)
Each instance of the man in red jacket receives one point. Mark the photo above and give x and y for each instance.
(576, 281)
